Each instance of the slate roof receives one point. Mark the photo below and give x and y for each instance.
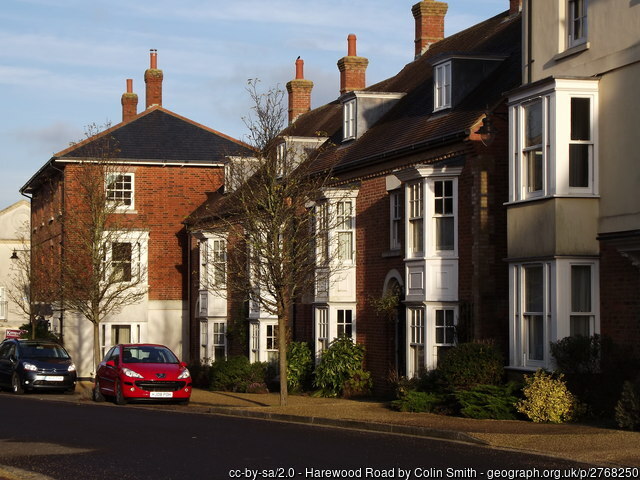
(411, 124)
(156, 135)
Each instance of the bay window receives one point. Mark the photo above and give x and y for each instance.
(416, 339)
(554, 140)
(444, 215)
(416, 220)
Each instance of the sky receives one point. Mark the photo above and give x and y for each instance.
(64, 63)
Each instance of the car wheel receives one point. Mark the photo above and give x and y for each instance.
(120, 400)
(184, 401)
(16, 384)
(70, 391)
(96, 395)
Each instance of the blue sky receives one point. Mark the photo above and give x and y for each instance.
(63, 63)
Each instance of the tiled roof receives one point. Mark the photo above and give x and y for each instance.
(161, 135)
(412, 122)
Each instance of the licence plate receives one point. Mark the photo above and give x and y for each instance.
(161, 394)
(53, 378)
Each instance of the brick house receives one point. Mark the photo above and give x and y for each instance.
(573, 209)
(167, 164)
(423, 157)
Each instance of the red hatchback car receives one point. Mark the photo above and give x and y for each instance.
(142, 372)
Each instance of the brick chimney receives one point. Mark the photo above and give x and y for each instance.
(299, 93)
(153, 79)
(429, 16)
(515, 6)
(352, 68)
(129, 102)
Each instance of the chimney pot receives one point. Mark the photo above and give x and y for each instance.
(129, 102)
(299, 93)
(351, 45)
(153, 79)
(352, 68)
(299, 68)
(515, 6)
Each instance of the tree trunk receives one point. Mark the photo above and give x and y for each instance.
(96, 346)
(283, 323)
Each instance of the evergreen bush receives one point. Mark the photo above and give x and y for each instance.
(471, 364)
(420, 402)
(488, 402)
(340, 370)
(628, 407)
(547, 399)
(299, 366)
(236, 374)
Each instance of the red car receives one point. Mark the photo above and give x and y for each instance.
(142, 372)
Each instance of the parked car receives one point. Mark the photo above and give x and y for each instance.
(27, 365)
(142, 372)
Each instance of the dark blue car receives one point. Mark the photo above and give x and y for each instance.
(36, 365)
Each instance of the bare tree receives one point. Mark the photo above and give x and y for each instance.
(102, 266)
(271, 218)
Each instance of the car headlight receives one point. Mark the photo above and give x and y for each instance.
(72, 368)
(131, 373)
(185, 374)
(29, 366)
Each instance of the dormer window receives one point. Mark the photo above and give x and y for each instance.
(442, 86)
(349, 120)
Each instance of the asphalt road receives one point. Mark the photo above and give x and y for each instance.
(66, 440)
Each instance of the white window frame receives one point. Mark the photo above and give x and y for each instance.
(395, 220)
(119, 192)
(416, 334)
(556, 96)
(271, 342)
(218, 339)
(442, 86)
(345, 230)
(446, 213)
(322, 329)
(254, 339)
(577, 13)
(415, 208)
(556, 310)
(204, 341)
(349, 120)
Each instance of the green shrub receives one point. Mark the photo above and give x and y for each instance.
(340, 370)
(628, 407)
(299, 366)
(420, 402)
(470, 364)
(594, 367)
(547, 399)
(236, 374)
(488, 402)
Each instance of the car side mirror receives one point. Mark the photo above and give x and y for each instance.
(183, 364)
(111, 363)
(13, 358)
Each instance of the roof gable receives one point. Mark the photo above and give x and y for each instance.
(160, 135)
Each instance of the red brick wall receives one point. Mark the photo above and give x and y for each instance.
(619, 298)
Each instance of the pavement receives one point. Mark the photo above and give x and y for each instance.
(589, 444)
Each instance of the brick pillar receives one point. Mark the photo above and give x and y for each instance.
(515, 6)
(299, 93)
(429, 16)
(129, 102)
(352, 68)
(153, 79)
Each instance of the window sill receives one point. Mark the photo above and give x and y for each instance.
(549, 197)
(572, 51)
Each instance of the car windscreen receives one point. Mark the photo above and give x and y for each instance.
(43, 350)
(148, 354)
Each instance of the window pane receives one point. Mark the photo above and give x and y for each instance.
(580, 119)
(533, 123)
(579, 165)
(417, 236)
(535, 332)
(534, 170)
(580, 325)
(533, 289)
(581, 288)
(444, 233)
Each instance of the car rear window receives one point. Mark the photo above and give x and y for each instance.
(43, 350)
(148, 354)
